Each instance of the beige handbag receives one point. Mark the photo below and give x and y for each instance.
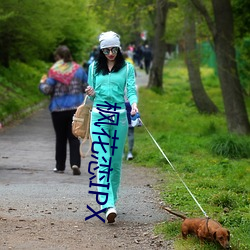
(81, 125)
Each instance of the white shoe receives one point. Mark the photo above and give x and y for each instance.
(58, 171)
(111, 215)
(129, 156)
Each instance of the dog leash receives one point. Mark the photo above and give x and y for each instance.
(174, 169)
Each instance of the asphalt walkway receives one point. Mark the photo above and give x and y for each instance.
(31, 190)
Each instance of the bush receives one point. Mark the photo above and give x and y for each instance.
(231, 146)
(223, 200)
(19, 88)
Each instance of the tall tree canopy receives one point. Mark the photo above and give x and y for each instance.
(27, 32)
(126, 17)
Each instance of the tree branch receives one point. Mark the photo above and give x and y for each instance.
(202, 9)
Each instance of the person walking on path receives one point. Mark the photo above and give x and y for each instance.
(65, 84)
(147, 54)
(108, 78)
(131, 129)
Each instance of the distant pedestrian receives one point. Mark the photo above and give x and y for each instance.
(65, 84)
(138, 56)
(147, 54)
(93, 55)
(128, 108)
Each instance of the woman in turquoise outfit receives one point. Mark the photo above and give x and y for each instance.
(108, 78)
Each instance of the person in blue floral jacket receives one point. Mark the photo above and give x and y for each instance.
(65, 83)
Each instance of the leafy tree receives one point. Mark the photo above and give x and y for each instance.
(242, 34)
(201, 99)
(221, 28)
(241, 18)
(126, 17)
(28, 33)
(78, 29)
(175, 24)
(156, 72)
(23, 33)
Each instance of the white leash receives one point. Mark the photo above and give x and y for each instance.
(174, 170)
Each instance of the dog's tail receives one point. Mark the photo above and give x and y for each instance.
(175, 213)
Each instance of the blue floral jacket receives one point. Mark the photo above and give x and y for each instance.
(65, 97)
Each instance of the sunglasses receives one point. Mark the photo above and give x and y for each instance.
(106, 51)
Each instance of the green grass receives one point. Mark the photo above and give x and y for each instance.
(19, 88)
(214, 164)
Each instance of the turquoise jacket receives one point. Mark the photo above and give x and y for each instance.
(111, 87)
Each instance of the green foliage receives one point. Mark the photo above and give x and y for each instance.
(241, 17)
(231, 146)
(219, 183)
(170, 230)
(127, 17)
(19, 87)
(224, 200)
(243, 59)
(175, 25)
(29, 33)
(176, 18)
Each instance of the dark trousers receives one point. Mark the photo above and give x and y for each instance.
(130, 139)
(130, 129)
(147, 65)
(62, 122)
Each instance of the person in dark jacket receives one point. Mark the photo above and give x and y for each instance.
(147, 54)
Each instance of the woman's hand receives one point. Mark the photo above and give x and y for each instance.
(134, 109)
(90, 91)
(43, 79)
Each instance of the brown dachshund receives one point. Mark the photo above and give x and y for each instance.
(204, 229)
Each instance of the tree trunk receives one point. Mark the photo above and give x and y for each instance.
(159, 47)
(223, 38)
(201, 99)
(235, 109)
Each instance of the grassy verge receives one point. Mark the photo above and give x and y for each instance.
(213, 164)
(19, 89)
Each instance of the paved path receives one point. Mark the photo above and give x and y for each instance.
(141, 78)
(30, 192)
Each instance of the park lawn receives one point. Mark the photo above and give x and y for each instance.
(214, 164)
(193, 143)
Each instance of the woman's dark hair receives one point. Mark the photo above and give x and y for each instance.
(63, 52)
(102, 67)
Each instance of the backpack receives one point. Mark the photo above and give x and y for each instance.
(81, 125)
